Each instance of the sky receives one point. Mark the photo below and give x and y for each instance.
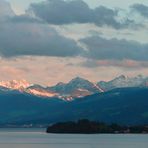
(50, 41)
(20, 6)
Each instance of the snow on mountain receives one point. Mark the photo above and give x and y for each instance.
(77, 87)
(124, 81)
(26, 87)
(15, 84)
(41, 91)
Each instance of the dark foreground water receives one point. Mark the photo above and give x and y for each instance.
(37, 138)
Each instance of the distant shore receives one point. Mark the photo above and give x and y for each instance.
(91, 127)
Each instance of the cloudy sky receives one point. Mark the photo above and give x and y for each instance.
(55, 40)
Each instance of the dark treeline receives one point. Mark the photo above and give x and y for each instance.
(91, 127)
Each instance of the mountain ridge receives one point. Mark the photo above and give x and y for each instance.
(76, 88)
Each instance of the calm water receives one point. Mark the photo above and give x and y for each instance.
(39, 139)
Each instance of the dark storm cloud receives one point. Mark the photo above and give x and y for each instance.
(23, 35)
(59, 12)
(141, 9)
(34, 39)
(114, 49)
(62, 12)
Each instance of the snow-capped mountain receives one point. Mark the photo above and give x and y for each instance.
(15, 84)
(25, 87)
(124, 81)
(77, 87)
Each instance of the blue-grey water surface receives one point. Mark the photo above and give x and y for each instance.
(37, 138)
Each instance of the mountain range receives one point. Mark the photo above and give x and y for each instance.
(122, 100)
(76, 88)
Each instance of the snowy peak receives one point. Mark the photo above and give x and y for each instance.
(79, 83)
(124, 81)
(78, 80)
(15, 84)
(77, 87)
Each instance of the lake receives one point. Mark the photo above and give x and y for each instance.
(37, 138)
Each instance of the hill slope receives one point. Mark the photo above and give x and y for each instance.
(124, 106)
